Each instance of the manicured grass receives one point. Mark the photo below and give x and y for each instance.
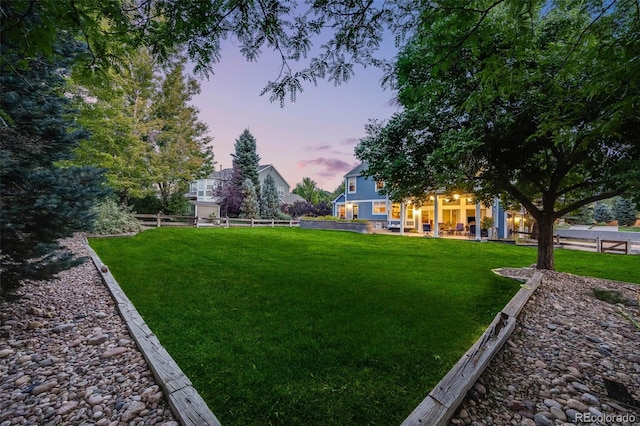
(292, 326)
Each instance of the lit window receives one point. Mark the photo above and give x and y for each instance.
(352, 184)
(379, 207)
(379, 185)
(395, 211)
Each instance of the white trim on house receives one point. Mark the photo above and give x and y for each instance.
(355, 185)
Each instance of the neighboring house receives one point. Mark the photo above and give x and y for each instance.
(283, 188)
(362, 200)
(202, 192)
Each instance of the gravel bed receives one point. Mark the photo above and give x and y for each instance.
(572, 358)
(66, 357)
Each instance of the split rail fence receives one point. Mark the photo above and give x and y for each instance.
(600, 245)
(158, 220)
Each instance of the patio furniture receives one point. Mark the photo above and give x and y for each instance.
(459, 229)
(426, 228)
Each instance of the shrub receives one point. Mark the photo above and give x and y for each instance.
(111, 218)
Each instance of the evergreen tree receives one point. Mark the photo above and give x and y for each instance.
(270, 205)
(250, 208)
(624, 211)
(602, 213)
(41, 201)
(246, 159)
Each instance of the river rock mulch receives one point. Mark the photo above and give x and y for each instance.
(66, 357)
(572, 358)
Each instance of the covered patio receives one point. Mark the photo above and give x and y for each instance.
(449, 216)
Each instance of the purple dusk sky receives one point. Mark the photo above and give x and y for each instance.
(312, 137)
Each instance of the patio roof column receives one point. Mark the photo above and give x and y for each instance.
(478, 234)
(436, 216)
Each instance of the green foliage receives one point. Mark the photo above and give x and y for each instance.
(113, 219)
(144, 132)
(308, 189)
(246, 159)
(250, 208)
(41, 201)
(532, 101)
(624, 211)
(611, 296)
(270, 202)
(602, 213)
(486, 223)
(584, 216)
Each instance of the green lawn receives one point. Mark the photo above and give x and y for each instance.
(291, 326)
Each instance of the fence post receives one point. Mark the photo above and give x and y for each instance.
(273, 222)
(226, 222)
(290, 223)
(252, 222)
(195, 221)
(598, 245)
(558, 239)
(158, 219)
(627, 247)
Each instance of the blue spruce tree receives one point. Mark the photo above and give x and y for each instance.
(41, 200)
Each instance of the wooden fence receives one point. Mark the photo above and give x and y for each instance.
(597, 244)
(158, 220)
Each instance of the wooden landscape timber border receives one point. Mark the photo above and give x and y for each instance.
(445, 398)
(185, 402)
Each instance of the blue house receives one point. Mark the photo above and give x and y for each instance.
(443, 214)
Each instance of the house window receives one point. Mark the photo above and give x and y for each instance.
(341, 211)
(351, 184)
(280, 191)
(379, 207)
(379, 185)
(395, 211)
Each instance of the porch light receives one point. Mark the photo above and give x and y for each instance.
(456, 197)
(431, 198)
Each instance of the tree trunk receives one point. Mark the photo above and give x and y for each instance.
(545, 243)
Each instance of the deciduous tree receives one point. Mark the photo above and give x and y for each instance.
(308, 189)
(535, 101)
(178, 150)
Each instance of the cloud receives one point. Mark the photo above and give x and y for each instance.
(349, 141)
(329, 167)
(320, 148)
